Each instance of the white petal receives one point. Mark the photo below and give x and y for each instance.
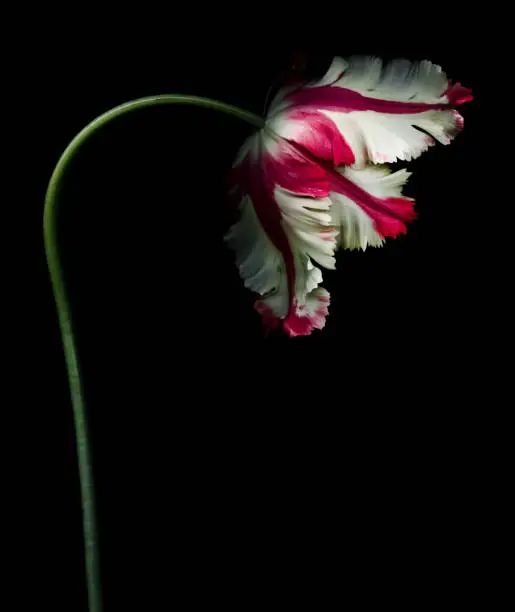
(398, 79)
(313, 277)
(260, 263)
(308, 228)
(307, 276)
(303, 212)
(278, 300)
(442, 125)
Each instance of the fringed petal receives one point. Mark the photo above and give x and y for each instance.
(368, 205)
(378, 112)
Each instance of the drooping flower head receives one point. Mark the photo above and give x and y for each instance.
(309, 182)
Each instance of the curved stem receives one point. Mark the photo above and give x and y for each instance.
(65, 321)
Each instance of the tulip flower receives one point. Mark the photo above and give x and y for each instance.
(310, 182)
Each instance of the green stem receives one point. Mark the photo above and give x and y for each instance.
(64, 314)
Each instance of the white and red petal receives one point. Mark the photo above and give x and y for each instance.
(317, 133)
(368, 206)
(310, 315)
(376, 110)
(306, 313)
(307, 223)
(381, 138)
(284, 224)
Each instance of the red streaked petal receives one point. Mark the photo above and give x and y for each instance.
(347, 100)
(390, 213)
(291, 170)
(304, 318)
(315, 132)
(374, 109)
(286, 192)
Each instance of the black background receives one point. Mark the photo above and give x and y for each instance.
(228, 463)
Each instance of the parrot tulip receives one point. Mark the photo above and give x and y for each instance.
(313, 178)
